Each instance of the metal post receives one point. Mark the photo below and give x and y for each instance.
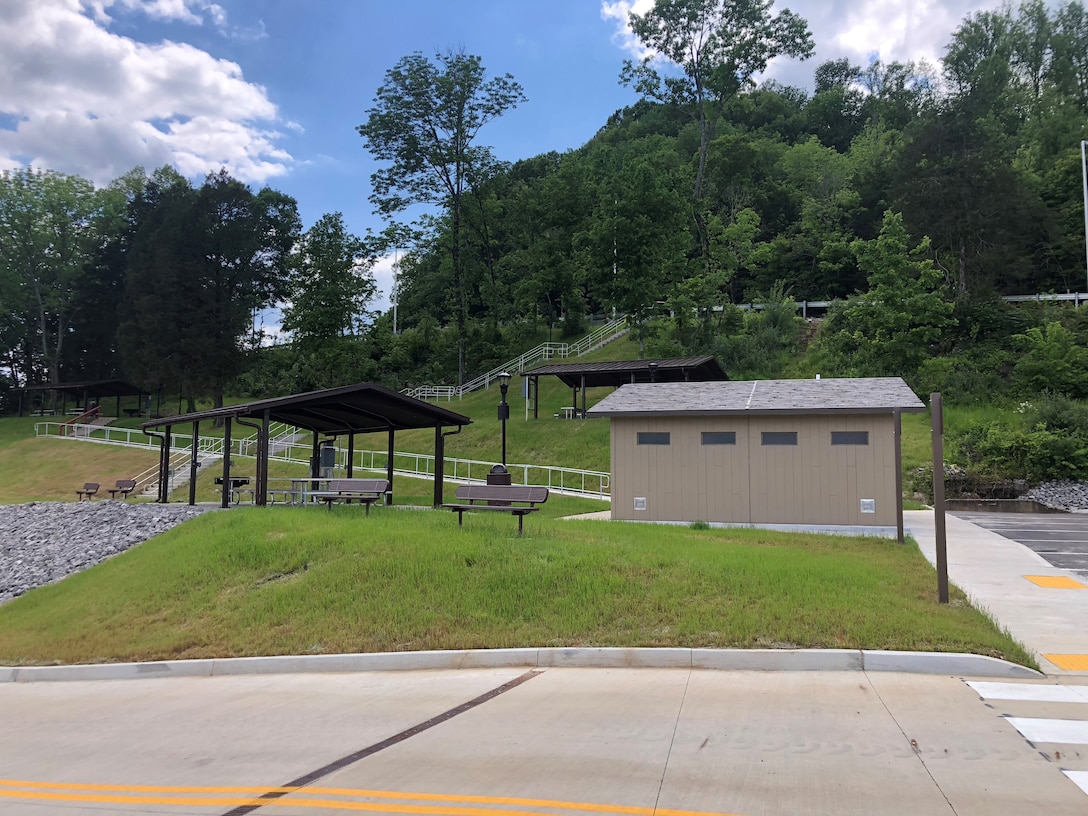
(1084, 186)
(504, 410)
(194, 463)
(224, 497)
(439, 464)
(389, 467)
(936, 410)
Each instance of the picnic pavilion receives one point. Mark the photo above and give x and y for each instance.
(82, 392)
(580, 376)
(332, 412)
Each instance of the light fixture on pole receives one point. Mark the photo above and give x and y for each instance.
(504, 410)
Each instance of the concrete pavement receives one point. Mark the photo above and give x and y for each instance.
(994, 572)
(673, 742)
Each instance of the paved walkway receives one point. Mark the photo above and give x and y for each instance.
(996, 573)
(507, 742)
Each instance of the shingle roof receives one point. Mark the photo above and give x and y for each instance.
(858, 395)
(619, 372)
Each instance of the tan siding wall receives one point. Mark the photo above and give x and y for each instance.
(813, 482)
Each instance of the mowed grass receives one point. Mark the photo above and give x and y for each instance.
(53, 469)
(268, 581)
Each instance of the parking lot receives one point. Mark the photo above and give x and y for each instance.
(1060, 538)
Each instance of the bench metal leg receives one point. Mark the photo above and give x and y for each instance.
(521, 517)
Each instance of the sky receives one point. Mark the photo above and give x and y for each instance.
(272, 90)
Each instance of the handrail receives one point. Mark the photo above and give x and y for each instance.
(562, 479)
(545, 351)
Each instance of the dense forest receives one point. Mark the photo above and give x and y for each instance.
(914, 195)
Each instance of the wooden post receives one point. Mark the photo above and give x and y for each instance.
(936, 410)
(897, 420)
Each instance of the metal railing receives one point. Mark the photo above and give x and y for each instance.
(600, 336)
(574, 481)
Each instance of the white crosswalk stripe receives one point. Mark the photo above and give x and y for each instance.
(1080, 779)
(1059, 738)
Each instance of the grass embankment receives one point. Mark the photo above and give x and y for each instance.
(255, 581)
(52, 469)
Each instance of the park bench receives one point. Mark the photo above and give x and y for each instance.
(367, 491)
(89, 489)
(518, 500)
(124, 487)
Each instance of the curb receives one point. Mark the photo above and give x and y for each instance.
(951, 663)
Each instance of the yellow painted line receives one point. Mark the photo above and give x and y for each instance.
(122, 794)
(1055, 582)
(1069, 662)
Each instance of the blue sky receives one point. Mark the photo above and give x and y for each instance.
(273, 90)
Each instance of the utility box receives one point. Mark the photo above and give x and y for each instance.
(327, 459)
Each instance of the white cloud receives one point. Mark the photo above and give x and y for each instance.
(888, 29)
(87, 101)
(623, 37)
(185, 11)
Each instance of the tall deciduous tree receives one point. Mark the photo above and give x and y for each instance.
(47, 233)
(715, 48)
(425, 121)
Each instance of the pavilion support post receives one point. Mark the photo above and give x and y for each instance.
(261, 496)
(164, 466)
(224, 500)
(439, 464)
(194, 462)
(389, 468)
(351, 454)
(583, 396)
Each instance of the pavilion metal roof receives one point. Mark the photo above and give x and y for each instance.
(92, 388)
(854, 395)
(359, 408)
(622, 372)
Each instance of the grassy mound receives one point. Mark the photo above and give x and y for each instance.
(266, 581)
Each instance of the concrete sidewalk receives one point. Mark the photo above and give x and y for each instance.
(991, 569)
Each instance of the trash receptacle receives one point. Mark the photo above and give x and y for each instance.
(498, 475)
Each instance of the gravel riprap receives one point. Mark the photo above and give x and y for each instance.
(1062, 495)
(42, 542)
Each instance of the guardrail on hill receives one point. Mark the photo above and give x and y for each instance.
(600, 336)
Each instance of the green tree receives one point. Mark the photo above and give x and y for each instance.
(48, 231)
(331, 285)
(891, 329)
(424, 123)
(714, 48)
(203, 262)
(637, 238)
(1051, 361)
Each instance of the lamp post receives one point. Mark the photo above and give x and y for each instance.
(504, 410)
